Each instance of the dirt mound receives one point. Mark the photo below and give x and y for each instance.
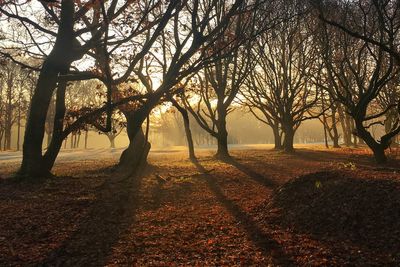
(334, 206)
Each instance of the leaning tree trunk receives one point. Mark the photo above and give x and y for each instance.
(134, 157)
(56, 138)
(186, 125)
(32, 147)
(59, 60)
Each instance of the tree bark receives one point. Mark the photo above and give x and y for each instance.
(19, 125)
(277, 137)
(324, 124)
(378, 149)
(86, 138)
(289, 137)
(345, 131)
(56, 139)
(9, 111)
(59, 60)
(222, 135)
(72, 140)
(1, 138)
(379, 154)
(349, 127)
(134, 157)
(335, 135)
(186, 124)
(288, 143)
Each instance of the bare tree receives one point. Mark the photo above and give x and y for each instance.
(190, 52)
(280, 86)
(73, 34)
(360, 71)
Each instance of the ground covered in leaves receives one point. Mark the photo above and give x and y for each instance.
(266, 208)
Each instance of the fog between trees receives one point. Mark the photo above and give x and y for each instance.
(211, 73)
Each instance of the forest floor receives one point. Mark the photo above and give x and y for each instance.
(315, 207)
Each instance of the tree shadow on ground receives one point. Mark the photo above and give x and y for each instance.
(335, 207)
(259, 178)
(111, 214)
(364, 160)
(335, 156)
(269, 247)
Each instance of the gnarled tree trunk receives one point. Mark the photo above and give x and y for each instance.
(134, 157)
(378, 149)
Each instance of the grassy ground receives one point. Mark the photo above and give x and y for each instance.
(312, 208)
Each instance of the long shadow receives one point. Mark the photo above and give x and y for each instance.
(268, 246)
(261, 179)
(320, 156)
(100, 229)
(362, 212)
(362, 160)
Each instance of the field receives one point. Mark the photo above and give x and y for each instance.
(315, 207)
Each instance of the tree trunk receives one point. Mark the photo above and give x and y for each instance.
(335, 135)
(72, 140)
(111, 138)
(56, 140)
(79, 139)
(9, 112)
(222, 137)
(189, 139)
(288, 142)
(379, 154)
(222, 143)
(335, 139)
(343, 125)
(288, 128)
(59, 60)
(353, 129)
(7, 137)
(19, 126)
(277, 137)
(86, 138)
(134, 157)
(324, 124)
(1, 138)
(378, 149)
(349, 127)
(186, 124)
